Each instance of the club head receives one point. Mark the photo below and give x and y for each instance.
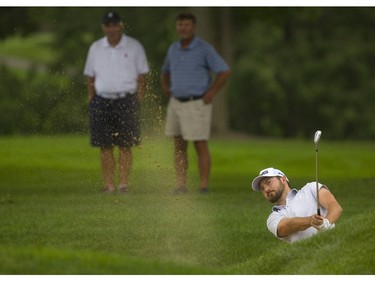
(317, 136)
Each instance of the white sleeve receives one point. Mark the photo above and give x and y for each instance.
(312, 188)
(89, 65)
(142, 64)
(273, 221)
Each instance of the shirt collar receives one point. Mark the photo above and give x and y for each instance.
(291, 195)
(289, 198)
(119, 45)
(192, 44)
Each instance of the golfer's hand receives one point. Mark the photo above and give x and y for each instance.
(209, 97)
(316, 221)
(326, 225)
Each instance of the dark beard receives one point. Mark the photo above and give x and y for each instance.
(278, 193)
(276, 196)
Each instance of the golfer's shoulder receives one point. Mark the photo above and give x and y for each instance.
(132, 41)
(174, 46)
(204, 46)
(198, 41)
(97, 44)
(308, 188)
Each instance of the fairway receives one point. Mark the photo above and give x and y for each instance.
(55, 221)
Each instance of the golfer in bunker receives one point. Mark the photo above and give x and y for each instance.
(294, 217)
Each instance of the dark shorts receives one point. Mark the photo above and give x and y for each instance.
(114, 122)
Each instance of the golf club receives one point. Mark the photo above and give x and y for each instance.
(316, 140)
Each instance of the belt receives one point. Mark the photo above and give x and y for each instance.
(114, 96)
(191, 98)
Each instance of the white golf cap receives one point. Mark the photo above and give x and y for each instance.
(266, 173)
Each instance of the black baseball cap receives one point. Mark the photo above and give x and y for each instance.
(111, 17)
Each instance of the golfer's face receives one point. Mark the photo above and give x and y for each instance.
(185, 29)
(272, 188)
(112, 30)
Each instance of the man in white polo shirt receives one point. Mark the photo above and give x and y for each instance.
(116, 67)
(294, 216)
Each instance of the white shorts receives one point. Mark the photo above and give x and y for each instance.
(191, 119)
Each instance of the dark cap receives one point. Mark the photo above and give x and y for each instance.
(111, 17)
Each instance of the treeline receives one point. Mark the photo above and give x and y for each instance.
(313, 68)
(294, 69)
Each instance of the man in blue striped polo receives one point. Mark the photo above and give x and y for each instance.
(186, 79)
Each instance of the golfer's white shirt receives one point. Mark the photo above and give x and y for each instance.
(116, 69)
(299, 203)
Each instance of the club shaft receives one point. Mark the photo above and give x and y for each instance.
(316, 180)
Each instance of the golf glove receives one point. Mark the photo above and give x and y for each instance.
(326, 225)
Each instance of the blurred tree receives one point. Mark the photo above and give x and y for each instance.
(16, 21)
(300, 69)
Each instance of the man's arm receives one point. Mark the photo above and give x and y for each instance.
(329, 202)
(142, 81)
(288, 226)
(90, 88)
(218, 83)
(165, 79)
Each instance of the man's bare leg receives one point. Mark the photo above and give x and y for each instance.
(124, 167)
(108, 168)
(204, 163)
(181, 162)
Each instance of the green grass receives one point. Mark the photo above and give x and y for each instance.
(54, 221)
